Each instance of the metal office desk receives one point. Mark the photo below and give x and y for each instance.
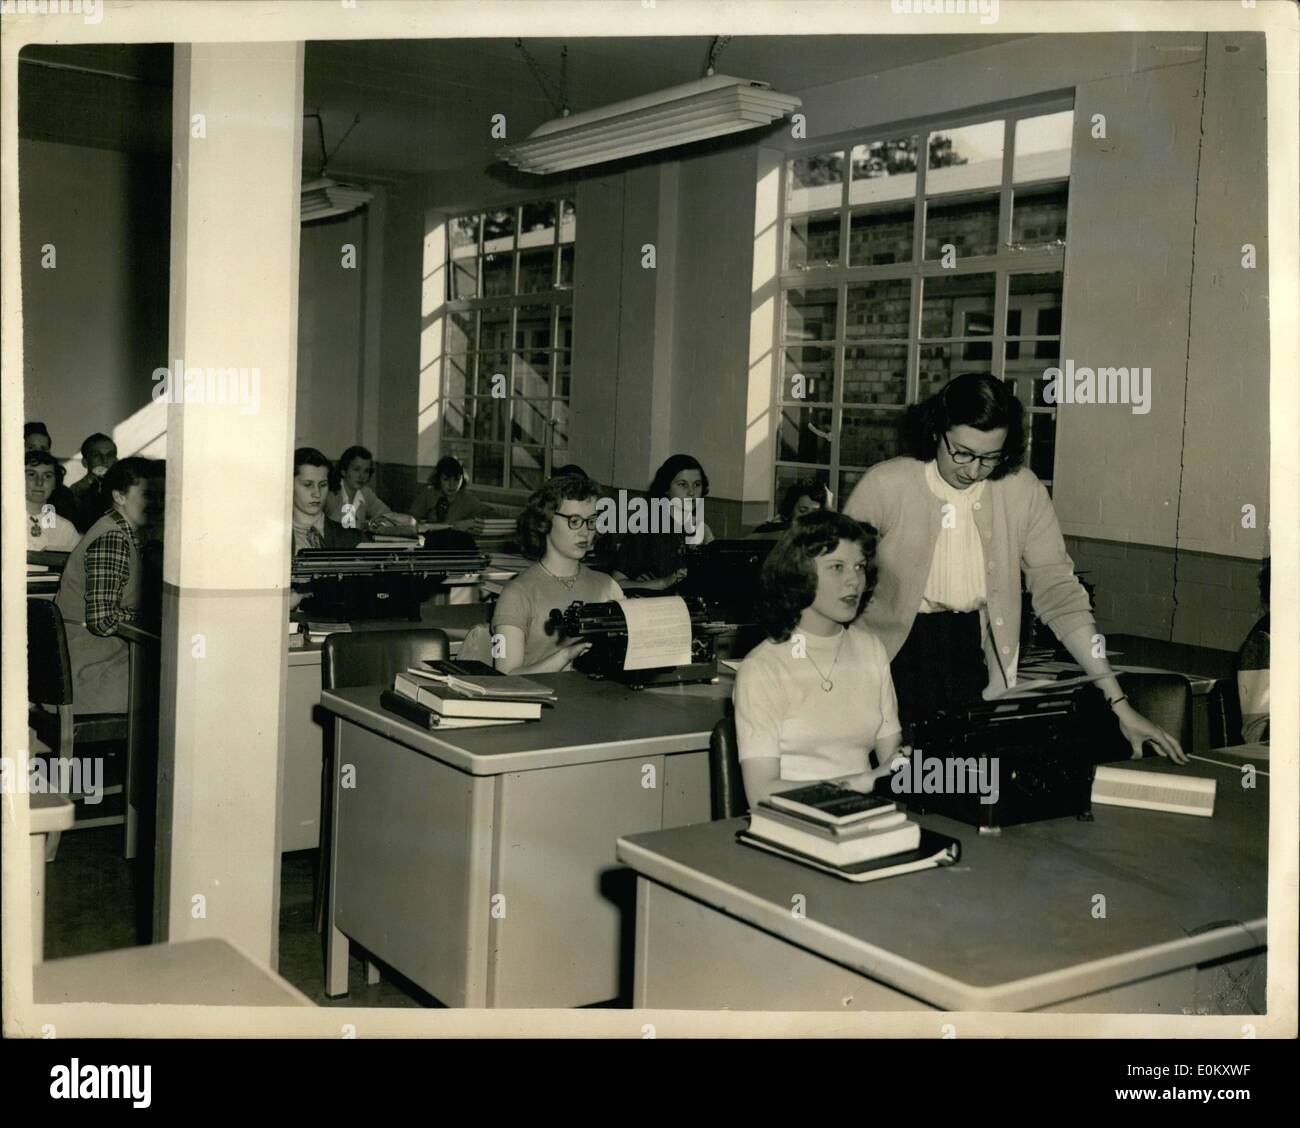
(1010, 927)
(479, 863)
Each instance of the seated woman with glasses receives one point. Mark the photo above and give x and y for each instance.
(556, 529)
(958, 522)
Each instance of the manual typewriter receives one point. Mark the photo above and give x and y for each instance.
(376, 583)
(1042, 748)
(604, 625)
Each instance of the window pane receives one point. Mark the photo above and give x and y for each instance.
(526, 467)
(868, 437)
(566, 267)
(814, 183)
(568, 224)
(971, 226)
(1043, 146)
(559, 424)
(813, 241)
(489, 419)
(532, 374)
(458, 375)
(493, 375)
(537, 224)
(879, 309)
(498, 275)
(531, 423)
(499, 230)
(536, 271)
(937, 364)
(809, 375)
(494, 330)
(462, 282)
(810, 315)
(462, 237)
(457, 417)
(969, 157)
(533, 327)
(461, 450)
(1035, 300)
(848, 479)
(462, 330)
(563, 370)
(883, 170)
(881, 236)
(1042, 447)
(1038, 216)
(489, 464)
(957, 305)
(875, 374)
(805, 434)
(564, 327)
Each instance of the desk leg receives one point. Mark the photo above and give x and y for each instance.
(336, 944)
(37, 843)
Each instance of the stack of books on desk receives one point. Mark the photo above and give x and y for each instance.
(492, 528)
(447, 695)
(855, 836)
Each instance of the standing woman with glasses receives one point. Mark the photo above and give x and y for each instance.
(958, 521)
(556, 529)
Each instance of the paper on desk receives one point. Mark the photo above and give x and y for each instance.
(658, 632)
(1027, 688)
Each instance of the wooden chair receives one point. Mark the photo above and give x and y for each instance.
(352, 659)
(49, 690)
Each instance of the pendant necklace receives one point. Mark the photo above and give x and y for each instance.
(565, 582)
(827, 684)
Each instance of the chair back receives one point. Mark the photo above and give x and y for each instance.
(477, 644)
(376, 657)
(1164, 699)
(49, 669)
(726, 784)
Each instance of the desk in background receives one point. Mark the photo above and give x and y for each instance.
(1008, 928)
(479, 863)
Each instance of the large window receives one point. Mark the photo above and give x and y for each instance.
(899, 272)
(508, 342)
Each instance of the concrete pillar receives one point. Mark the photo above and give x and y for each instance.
(236, 176)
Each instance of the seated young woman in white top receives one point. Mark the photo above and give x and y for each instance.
(48, 531)
(556, 529)
(815, 700)
(353, 504)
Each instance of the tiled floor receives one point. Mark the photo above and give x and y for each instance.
(97, 901)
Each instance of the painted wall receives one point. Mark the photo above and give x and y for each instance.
(94, 326)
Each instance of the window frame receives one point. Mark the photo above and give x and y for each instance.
(1005, 262)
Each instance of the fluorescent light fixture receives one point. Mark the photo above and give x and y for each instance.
(693, 111)
(324, 198)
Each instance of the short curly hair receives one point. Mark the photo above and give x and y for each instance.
(788, 580)
(973, 399)
(534, 523)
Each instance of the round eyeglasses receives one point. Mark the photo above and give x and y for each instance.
(966, 457)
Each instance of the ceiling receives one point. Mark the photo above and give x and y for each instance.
(426, 105)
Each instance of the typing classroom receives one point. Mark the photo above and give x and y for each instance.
(719, 522)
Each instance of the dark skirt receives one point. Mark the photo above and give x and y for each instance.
(941, 664)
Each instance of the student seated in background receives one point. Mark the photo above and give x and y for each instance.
(37, 437)
(353, 504)
(447, 500)
(815, 699)
(1252, 670)
(312, 528)
(656, 561)
(91, 497)
(48, 531)
(100, 589)
(804, 496)
(556, 529)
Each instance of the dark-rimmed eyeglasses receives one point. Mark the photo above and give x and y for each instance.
(966, 457)
(576, 521)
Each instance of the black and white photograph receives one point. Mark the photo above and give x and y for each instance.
(664, 519)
